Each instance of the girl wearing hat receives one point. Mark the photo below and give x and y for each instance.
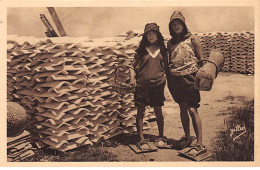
(184, 53)
(148, 75)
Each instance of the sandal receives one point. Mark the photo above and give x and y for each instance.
(143, 145)
(161, 143)
(184, 142)
(196, 150)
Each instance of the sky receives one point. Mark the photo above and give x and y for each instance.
(97, 22)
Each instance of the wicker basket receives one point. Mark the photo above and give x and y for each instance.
(208, 72)
(120, 81)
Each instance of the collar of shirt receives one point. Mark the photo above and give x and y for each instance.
(153, 55)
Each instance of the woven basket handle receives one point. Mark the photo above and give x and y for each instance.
(115, 75)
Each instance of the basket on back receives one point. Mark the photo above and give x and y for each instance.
(120, 81)
(208, 72)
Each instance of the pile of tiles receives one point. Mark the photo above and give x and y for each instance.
(237, 48)
(238, 53)
(250, 52)
(65, 88)
(222, 43)
(131, 34)
(207, 42)
(19, 147)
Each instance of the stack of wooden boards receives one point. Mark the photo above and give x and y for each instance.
(19, 147)
(237, 48)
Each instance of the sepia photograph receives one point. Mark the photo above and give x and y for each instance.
(130, 84)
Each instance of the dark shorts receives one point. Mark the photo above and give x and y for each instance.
(152, 96)
(182, 89)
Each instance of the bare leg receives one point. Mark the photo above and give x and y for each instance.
(139, 122)
(159, 119)
(197, 125)
(185, 120)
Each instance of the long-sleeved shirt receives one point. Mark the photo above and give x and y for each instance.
(149, 71)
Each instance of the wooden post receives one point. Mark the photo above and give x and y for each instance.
(57, 21)
(50, 31)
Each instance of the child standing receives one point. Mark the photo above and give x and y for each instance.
(184, 53)
(148, 75)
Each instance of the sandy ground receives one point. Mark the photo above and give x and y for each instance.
(226, 92)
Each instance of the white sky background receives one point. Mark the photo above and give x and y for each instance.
(97, 22)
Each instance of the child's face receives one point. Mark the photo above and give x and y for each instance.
(151, 36)
(177, 26)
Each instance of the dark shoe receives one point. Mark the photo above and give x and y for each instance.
(184, 142)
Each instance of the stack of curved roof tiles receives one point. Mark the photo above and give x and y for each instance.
(65, 88)
(237, 48)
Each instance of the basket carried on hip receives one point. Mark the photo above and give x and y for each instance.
(121, 79)
(209, 71)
